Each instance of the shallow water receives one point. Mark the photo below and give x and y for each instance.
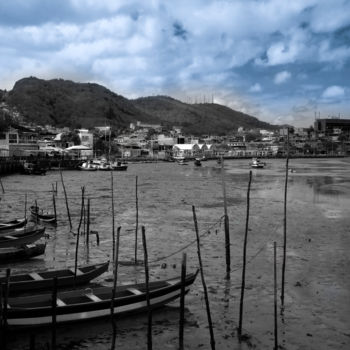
(317, 289)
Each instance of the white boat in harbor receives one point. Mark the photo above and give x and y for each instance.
(257, 163)
(88, 166)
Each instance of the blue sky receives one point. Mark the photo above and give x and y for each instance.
(281, 61)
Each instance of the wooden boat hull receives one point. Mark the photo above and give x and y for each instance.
(65, 278)
(21, 253)
(21, 239)
(12, 224)
(30, 227)
(90, 304)
(37, 216)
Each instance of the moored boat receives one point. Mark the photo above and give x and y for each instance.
(12, 224)
(119, 166)
(24, 252)
(92, 303)
(30, 227)
(197, 162)
(88, 166)
(42, 280)
(39, 215)
(33, 169)
(257, 163)
(18, 240)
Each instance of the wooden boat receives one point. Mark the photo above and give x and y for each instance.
(12, 224)
(33, 169)
(119, 166)
(38, 215)
(257, 163)
(25, 252)
(88, 166)
(30, 227)
(105, 166)
(65, 278)
(18, 240)
(197, 162)
(92, 303)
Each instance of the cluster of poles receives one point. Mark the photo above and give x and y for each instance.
(85, 224)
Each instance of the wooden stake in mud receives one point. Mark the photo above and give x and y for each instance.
(275, 294)
(37, 212)
(25, 206)
(182, 302)
(137, 218)
(54, 313)
(115, 279)
(54, 206)
(88, 223)
(113, 218)
(227, 226)
(78, 232)
(82, 207)
(212, 340)
(66, 199)
(149, 329)
(244, 260)
(5, 307)
(285, 227)
(2, 186)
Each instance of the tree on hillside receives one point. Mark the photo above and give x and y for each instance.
(71, 137)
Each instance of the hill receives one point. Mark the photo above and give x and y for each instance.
(204, 118)
(65, 103)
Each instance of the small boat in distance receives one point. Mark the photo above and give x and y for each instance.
(88, 166)
(197, 162)
(39, 215)
(119, 166)
(33, 169)
(42, 280)
(92, 303)
(257, 163)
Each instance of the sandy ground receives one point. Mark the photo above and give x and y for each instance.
(317, 299)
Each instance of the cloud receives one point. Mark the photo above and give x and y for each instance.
(333, 92)
(282, 77)
(255, 88)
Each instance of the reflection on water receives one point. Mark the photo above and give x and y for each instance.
(318, 189)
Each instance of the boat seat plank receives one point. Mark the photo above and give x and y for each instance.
(93, 297)
(35, 276)
(172, 282)
(10, 237)
(134, 291)
(60, 302)
(79, 272)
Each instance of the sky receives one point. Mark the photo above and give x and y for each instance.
(280, 61)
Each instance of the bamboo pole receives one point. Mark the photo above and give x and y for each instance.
(2, 186)
(212, 340)
(1, 318)
(54, 206)
(54, 313)
(36, 212)
(285, 227)
(227, 226)
(113, 218)
(82, 207)
(66, 199)
(149, 329)
(25, 206)
(182, 302)
(275, 295)
(137, 217)
(115, 279)
(5, 308)
(88, 223)
(244, 260)
(78, 233)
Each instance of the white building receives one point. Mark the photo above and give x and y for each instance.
(86, 138)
